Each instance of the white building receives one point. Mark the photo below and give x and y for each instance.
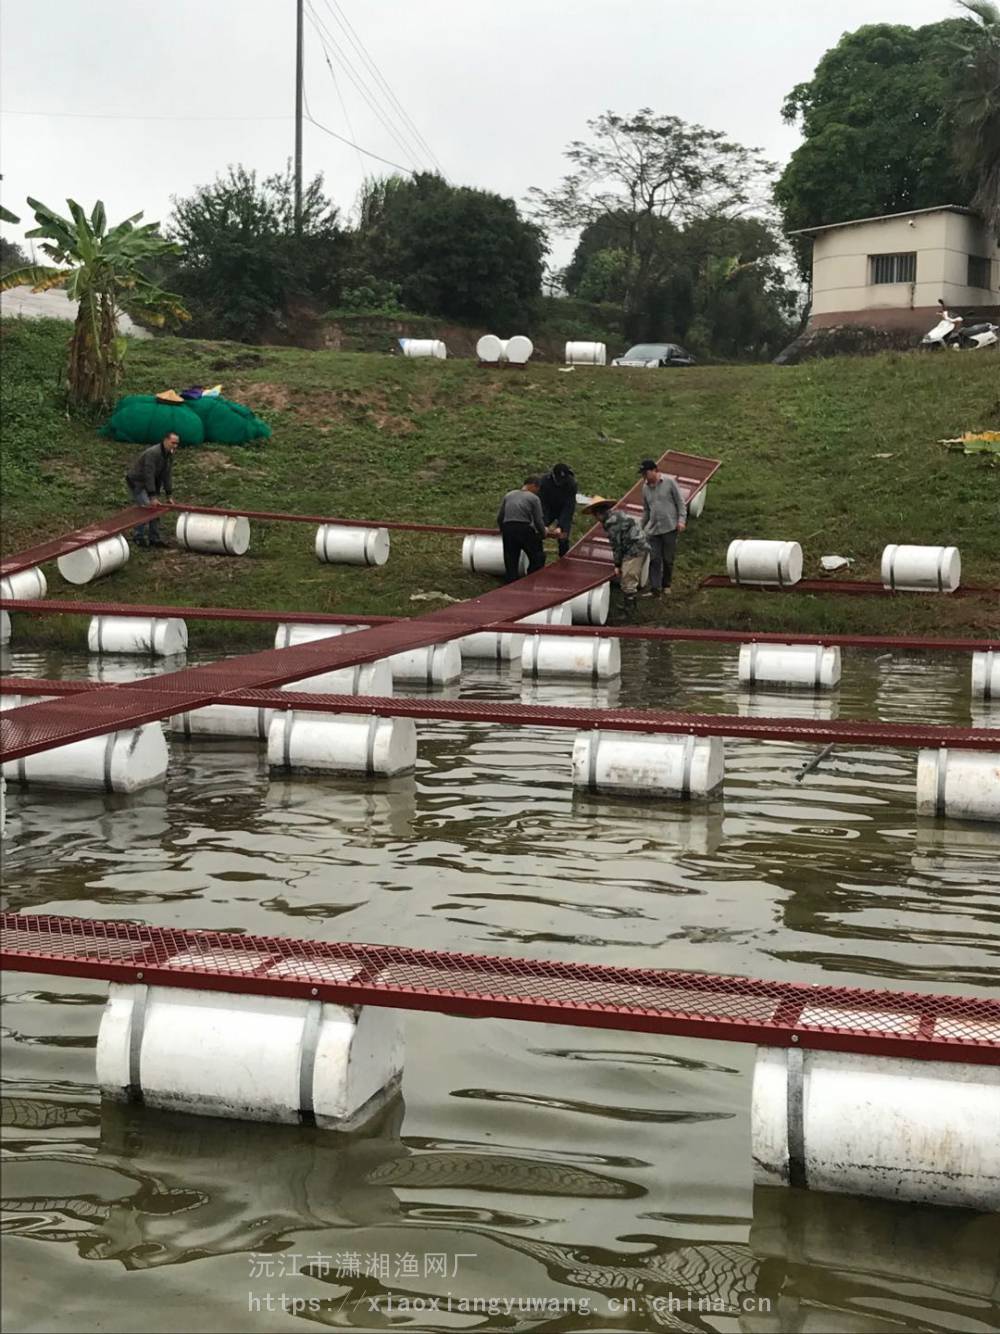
(890, 272)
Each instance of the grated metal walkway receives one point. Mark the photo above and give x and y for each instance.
(735, 1009)
(860, 587)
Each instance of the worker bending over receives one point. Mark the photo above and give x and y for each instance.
(151, 473)
(558, 497)
(522, 529)
(629, 545)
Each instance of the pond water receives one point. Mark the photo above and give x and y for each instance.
(604, 1177)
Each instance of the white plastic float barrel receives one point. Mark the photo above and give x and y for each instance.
(560, 614)
(352, 546)
(517, 350)
(697, 503)
(93, 562)
(484, 555)
(435, 665)
(811, 665)
(490, 348)
(118, 762)
(755, 561)
(963, 784)
(552, 655)
(895, 1128)
(220, 534)
(288, 636)
(491, 646)
(986, 675)
(592, 607)
(909, 569)
(222, 720)
(4, 628)
(586, 354)
(655, 766)
(342, 743)
(364, 678)
(255, 1058)
(156, 636)
(25, 584)
(423, 347)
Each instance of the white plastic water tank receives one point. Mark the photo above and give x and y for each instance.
(155, 636)
(24, 585)
(491, 646)
(697, 502)
(756, 561)
(222, 720)
(560, 614)
(895, 1128)
(214, 533)
(342, 743)
(986, 675)
(586, 354)
(656, 766)
(352, 546)
(4, 628)
(910, 569)
(118, 762)
(592, 607)
(423, 347)
(484, 555)
(964, 784)
(490, 348)
(255, 1058)
(287, 636)
(517, 350)
(93, 562)
(811, 665)
(436, 665)
(583, 655)
(364, 678)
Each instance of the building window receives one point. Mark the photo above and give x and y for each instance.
(979, 272)
(899, 268)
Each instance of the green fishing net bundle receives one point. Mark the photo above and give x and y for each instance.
(141, 419)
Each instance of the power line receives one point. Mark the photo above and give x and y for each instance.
(343, 107)
(334, 135)
(100, 115)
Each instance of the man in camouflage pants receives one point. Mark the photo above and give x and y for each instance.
(629, 545)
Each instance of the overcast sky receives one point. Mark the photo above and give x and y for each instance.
(496, 89)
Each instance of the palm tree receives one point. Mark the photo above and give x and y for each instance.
(977, 109)
(104, 273)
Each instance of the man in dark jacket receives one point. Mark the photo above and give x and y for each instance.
(522, 529)
(558, 496)
(151, 473)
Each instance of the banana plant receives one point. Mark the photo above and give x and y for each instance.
(101, 268)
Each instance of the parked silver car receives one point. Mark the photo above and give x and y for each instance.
(653, 355)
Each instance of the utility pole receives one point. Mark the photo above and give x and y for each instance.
(298, 117)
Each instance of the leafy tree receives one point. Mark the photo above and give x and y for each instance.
(243, 264)
(976, 109)
(104, 270)
(451, 250)
(11, 255)
(877, 129)
(642, 172)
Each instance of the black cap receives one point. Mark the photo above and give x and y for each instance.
(647, 465)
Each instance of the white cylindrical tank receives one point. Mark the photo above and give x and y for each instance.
(811, 665)
(560, 614)
(222, 720)
(986, 675)
(352, 546)
(342, 743)
(490, 348)
(753, 561)
(255, 1058)
(423, 347)
(288, 636)
(910, 569)
(156, 636)
(436, 665)
(119, 762)
(492, 646)
(364, 678)
(484, 555)
(24, 585)
(964, 784)
(656, 766)
(586, 354)
(215, 533)
(517, 350)
(592, 607)
(697, 502)
(4, 628)
(553, 655)
(95, 561)
(871, 1125)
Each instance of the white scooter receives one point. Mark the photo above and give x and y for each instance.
(952, 331)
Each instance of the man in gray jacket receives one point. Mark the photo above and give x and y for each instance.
(151, 473)
(522, 528)
(664, 515)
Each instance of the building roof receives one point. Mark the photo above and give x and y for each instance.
(885, 217)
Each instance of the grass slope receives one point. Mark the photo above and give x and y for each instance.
(369, 436)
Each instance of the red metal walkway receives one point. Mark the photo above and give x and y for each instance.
(734, 1009)
(862, 587)
(860, 733)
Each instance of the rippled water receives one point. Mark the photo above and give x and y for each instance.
(609, 1172)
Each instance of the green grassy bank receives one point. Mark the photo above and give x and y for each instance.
(841, 455)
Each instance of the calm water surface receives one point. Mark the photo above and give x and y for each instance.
(603, 1173)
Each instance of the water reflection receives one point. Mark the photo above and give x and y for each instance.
(817, 706)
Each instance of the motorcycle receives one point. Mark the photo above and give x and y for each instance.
(952, 331)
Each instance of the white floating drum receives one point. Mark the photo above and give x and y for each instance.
(288, 636)
(217, 534)
(490, 349)
(423, 347)
(364, 678)
(118, 762)
(484, 555)
(517, 350)
(908, 569)
(93, 562)
(352, 546)
(754, 561)
(592, 607)
(435, 665)
(560, 614)
(810, 665)
(25, 585)
(4, 628)
(583, 655)
(986, 675)
(963, 784)
(222, 721)
(491, 646)
(697, 503)
(586, 354)
(152, 636)
(345, 743)
(656, 766)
